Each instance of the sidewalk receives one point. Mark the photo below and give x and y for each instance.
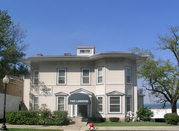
(84, 127)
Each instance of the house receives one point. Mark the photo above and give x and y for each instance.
(14, 95)
(86, 84)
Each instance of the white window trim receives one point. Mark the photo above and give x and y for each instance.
(64, 102)
(115, 104)
(58, 76)
(97, 76)
(85, 51)
(89, 76)
(130, 102)
(35, 77)
(130, 74)
(102, 104)
(34, 103)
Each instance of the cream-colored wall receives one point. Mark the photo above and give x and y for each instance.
(114, 79)
(26, 92)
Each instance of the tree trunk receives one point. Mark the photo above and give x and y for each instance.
(174, 107)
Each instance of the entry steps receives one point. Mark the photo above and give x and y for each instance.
(79, 121)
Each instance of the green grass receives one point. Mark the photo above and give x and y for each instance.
(132, 124)
(31, 130)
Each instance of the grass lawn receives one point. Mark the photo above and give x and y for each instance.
(31, 130)
(132, 124)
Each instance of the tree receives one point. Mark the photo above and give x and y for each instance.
(161, 77)
(11, 46)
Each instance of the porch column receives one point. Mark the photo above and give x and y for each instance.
(90, 106)
(71, 110)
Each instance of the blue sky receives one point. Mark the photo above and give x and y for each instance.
(58, 26)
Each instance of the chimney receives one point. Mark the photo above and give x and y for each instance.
(67, 54)
(39, 55)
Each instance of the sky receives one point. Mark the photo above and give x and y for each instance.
(55, 27)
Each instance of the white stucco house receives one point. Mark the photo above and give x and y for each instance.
(85, 84)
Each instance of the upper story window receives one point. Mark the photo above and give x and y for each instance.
(35, 77)
(85, 76)
(61, 76)
(85, 51)
(100, 75)
(128, 75)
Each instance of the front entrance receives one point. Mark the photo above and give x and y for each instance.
(82, 110)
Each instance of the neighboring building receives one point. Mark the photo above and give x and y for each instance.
(89, 84)
(14, 95)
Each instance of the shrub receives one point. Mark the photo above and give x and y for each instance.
(144, 114)
(98, 119)
(37, 118)
(114, 119)
(171, 118)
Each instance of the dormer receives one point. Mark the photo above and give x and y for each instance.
(85, 50)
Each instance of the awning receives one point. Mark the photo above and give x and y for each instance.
(79, 99)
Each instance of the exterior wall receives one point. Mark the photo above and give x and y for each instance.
(113, 76)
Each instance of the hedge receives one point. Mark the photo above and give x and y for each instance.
(37, 117)
(171, 118)
(114, 119)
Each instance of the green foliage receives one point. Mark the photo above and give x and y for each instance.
(114, 119)
(98, 119)
(144, 114)
(36, 118)
(171, 118)
(11, 46)
(161, 75)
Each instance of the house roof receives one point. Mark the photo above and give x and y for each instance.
(139, 58)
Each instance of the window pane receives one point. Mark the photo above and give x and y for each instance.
(100, 80)
(35, 106)
(115, 100)
(35, 99)
(86, 80)
(61, 80)
(114, 108)
(60, 100)
(36, 74)
(128, 71)
(100, 108)
(128, 100)
(85, 72)
(128, 79)
(61, 72)
(128, 108)
(100, 72)
(100, 100)
(60, 107)
(36, 81)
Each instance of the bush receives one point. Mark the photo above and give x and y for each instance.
(37, 118)
(114, 119)
(171, 118)
(98, 119)
(144, 114)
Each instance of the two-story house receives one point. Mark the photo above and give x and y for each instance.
(89, 84)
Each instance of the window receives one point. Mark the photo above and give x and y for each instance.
(85, 51)
(35, 103)
(100, 75)
(114, 104)
(128, 103)
(100, 104)
(61, 76)
(128, 75)
(86, 76)
(35, 77)
(61, 103)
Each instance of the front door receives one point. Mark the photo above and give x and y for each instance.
(82, 110)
